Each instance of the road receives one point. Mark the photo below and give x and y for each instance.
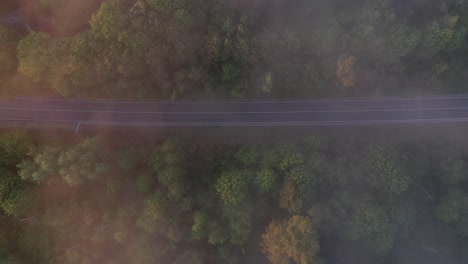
(14, 19)
(317, 112)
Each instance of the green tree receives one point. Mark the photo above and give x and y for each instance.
(232, 187)
(297, 190)
(16, 197)
(240, 218)
(6, 257)
(387, 173)
(124, 218)
(110, 20)
(266, 181)
(139, 49)
(449, 164)
(45, 59)
(145, 183)
(284, 157)
(14, 147)
(170, 163)
(229, 49)
(44, 164)
(156, 205)
(451, 206)
(372, 225)
(453, 170)
(17, 201)
(199, 227)
(84, 161)
(440, 36)
(403, 39)
(133, 158)
(216, 234)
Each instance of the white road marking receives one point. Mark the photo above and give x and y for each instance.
(243, 112)
(212, 124)
(325, 100)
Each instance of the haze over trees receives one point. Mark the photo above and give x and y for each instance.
(155, 49)
(316, 199)
(311, 200)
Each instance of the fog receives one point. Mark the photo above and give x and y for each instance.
(242, 132)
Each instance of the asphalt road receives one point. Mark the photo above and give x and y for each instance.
(317, 112)
(14, 19)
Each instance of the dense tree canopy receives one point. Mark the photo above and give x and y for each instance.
(301, 201)
(294, 239)
(228, 49)
(319, 199)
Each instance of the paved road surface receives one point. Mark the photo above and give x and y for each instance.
(14, 19)
(318, 112)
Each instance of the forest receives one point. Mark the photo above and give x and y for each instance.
(321, 198)
(211, 49)
(309, 200)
